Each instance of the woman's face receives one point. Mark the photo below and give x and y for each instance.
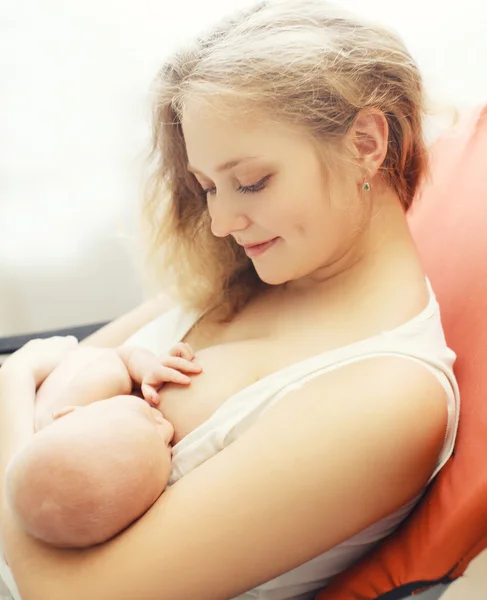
(266, 186)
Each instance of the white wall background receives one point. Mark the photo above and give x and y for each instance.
(74, 81)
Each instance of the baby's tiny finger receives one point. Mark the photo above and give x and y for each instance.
(182, 350)
(181, 364)
(174, 376)
(150, 394)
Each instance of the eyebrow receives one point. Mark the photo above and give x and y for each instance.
(225, 166)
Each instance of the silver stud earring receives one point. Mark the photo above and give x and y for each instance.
(366, 186)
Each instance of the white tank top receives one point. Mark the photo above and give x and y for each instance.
(420, 339)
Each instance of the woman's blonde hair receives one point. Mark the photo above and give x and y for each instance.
(310, 65)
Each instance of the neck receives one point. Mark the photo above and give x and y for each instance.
(384, 252)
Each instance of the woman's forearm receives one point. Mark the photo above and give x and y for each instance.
(17, 397)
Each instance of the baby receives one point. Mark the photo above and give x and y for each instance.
(95, 466)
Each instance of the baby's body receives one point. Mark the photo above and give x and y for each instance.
(96, 465)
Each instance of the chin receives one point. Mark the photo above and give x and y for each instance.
(272, 278)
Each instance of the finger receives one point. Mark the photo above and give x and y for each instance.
(164, 375)
(182, 350)
(139, 362)
(150, 394)
(181, 364)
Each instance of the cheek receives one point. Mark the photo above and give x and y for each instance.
(310, 219)
(297, 206)
(291, 214)
(308, 210)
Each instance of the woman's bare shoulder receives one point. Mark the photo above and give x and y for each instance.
(366, 441)
(119, 330)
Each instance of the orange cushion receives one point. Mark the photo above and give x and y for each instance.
(449, 527)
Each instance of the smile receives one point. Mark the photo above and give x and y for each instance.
(258, 249)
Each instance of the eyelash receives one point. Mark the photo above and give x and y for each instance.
(248, 189)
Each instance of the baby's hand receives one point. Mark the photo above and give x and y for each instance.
(151, 372)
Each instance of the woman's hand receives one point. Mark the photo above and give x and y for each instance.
(39, 357)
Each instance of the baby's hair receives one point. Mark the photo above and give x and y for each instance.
(307, 64)
(62, 495)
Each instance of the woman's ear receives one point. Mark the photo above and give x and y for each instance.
(63, 412)
(369, 137)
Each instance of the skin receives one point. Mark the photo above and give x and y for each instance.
(88, 374)
(91, 473)
(313, 243)
(380, 428)
(123, 466)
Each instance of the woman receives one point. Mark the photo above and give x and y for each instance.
(288, 149)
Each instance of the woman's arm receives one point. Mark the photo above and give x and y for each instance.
(366, 441)
(20, 376)
(116, 332)
(17, 394)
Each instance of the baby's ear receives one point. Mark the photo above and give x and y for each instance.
(63, 412)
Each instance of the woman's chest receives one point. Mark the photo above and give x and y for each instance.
(227, 369)
(238, 355)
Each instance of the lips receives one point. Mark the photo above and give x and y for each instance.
(253, 250)
(257, 243)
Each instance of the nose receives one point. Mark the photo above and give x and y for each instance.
(226, 218)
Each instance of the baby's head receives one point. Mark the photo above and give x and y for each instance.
(90, 474)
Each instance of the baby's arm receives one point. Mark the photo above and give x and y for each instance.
(89, 374)
(85, 375)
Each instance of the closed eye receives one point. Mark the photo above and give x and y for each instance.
(256, 187)
(244, 189)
